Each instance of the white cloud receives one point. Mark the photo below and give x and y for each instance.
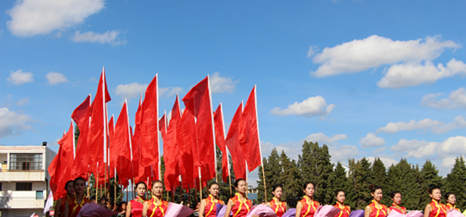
(109, 37)
(437, 127)
(55, 78)
(221, 84)
(169, 91)
(22, 102)
(323, 139)
(39, 17)
(313, 106)
(343, 153)
(456, 99)
(312, 50)
(386, 161)
(130, 91)
(371, 140)
(413, 74)
(19, 77)
(374, 51)
(12, 123)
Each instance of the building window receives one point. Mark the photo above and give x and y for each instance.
(24, 186)
(1, 189)
(39, 195)
(25, 161)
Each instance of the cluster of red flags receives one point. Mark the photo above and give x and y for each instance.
(111, 148)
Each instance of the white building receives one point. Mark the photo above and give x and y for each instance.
(24, 179)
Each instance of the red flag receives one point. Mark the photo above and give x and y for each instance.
(61, 169)
(121, 146)
(198, 102)
(249, 134)
(111, 139)
(232, 142)
(98, 126)
(220, 139)
(171, 150)
(81, 117)
(163, 127)
(149, 129)
(135, 141)
(187, 146)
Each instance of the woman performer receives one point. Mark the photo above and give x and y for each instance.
(451, 201)
(155, 207)
(239, 204)
(307, 206)
(376, 209)
(74, 205)
(435, 208)
(60, 205)
(341, 197)
(134, 207)
(209, 205)
(396, 198)
(276, 204)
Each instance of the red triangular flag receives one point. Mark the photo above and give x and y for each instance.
(220, 139)
(81, 117)
(249, 136)
(135, 141)
(187, 145)
(171, 150)
(232, 142)
(121, 146)
(111, 139)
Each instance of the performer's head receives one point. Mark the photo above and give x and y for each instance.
(396, 197)
(340, 196)
(277, 191)
(435, 193)
(308, 189)
(450, 198)
(376, 192)
(69, 187)
(79, 185)
(241, 186)
(214, 189)
(140, 189)
(157, 188)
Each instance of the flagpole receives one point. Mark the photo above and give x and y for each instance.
(97, 185)
(200, 185)
(157, 118)
(259, 142)
(105, 123)
(213, 130)
(115, 188)
(226, 149)
(88, 188)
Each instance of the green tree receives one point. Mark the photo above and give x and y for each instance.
(455, 182)
(291, 180)
(360, 174)
(379, 178)
(428, 177)
(324, 171)
(340, 181)
(273, 173)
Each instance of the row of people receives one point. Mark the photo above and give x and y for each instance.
(240, 205)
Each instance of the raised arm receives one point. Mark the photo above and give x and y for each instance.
(202, 208)
(229, 206)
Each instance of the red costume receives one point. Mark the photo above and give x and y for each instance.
(309, 207)
(240, 208)
(136, 207)
(75, 207)
(438, 209)
(397, 208)
(278, 207)
(450, 207)
(211, 206)
(63, 201)
(156, 209)
(345, 210)
(378, 210)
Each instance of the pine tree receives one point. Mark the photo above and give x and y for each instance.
(455, 182)
(324, 171)
(360, 174)
(429, 177)
(290, 180)
(307, 162)
(379, 178)
(340, 181)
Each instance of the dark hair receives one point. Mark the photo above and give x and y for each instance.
(137, 184)
(123, 202)
(156, 181)
(374, 188)
(71, 181)
(79, 178)
(103, 198)
(307, 183)
(276, 186)
(393, 194)
(213, 183)
(237, 182)
(432, 188)
(338, 191)
(447, 195)
(92, 198)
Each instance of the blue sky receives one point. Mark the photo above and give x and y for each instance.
(368, 78)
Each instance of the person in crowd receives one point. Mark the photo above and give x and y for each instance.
(340, 196)
(450, 198)
(93, 199)
(155, 207)
(122, 209)
(278, 206)
(239, 204)
(375, 208)
(74, 205)
(103, 202)
(134, 207)
(60, 205)
(435, 208)
(396, 198)
(307, 207)
(209, 205)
